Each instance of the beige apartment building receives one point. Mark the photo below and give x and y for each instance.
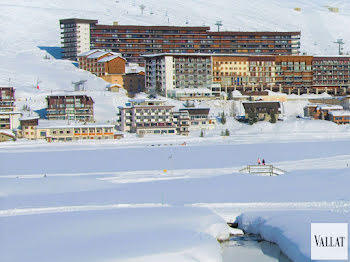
(62, 131)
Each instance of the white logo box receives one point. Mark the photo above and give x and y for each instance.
(329, 241)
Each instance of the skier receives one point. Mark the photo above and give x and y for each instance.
(263, 161)
(259, 162)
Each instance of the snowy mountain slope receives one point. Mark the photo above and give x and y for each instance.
(27, 24)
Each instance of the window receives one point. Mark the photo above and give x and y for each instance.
(43, 133)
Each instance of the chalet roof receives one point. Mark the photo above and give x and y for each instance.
(261, 105)
(256, 93)
(196, 111)
(340, 113)
(90, 52)
(7, 132)
(97, 54)
(110, 58)
(330, 107)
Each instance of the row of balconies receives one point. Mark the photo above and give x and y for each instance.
(190, 37)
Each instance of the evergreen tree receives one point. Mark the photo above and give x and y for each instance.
(229, 95)
(202, 133)
(158, 89)
(223, 118)
(252, 117)
(227, 132)
(273, 118)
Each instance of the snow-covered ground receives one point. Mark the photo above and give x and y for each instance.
(143, 203)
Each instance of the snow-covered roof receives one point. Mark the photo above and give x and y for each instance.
(114, 84)
(10, 113)
(133, 68)
(29, 117)
(192, 90)
(141, 100)
(260, 102)
(87, 53)
(109, 58)
(330, 107)
(7, 132)
(97, 54)
(47, 124)
(340, 113)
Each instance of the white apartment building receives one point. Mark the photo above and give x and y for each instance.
(75, 35)
(146, 116)
(172, 72)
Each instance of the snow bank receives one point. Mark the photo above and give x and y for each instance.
(291, 231)
(139, 234)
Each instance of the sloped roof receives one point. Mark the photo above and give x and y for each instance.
(7, 132)
(109, 58)
(87, 53)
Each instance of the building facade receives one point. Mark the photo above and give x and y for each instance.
(169, 72)
(70, 107)
(262, 110)
(7, 99)
(134, 82)
(182, 122)
(133, 41)
(230, 71)
(10, 120)
(62, 131)
(75, 36)
(340, 117)
(199, 118)
(146, 116)
(102, 63)
(294, 74)
(27, 127)
(331, 74)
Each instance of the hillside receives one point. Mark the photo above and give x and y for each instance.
(28, 28)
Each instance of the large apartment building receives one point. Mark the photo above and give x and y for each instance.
(176, 73)
(7, 99)
(170, 72)
(146, 116)
(75, 36)
(70, 107)
(133, 41)
(331, 73)
(294, 74)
